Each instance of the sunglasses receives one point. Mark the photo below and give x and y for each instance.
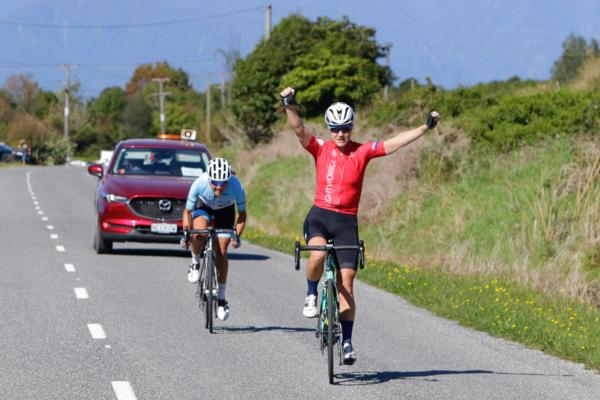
(344, 130)
(218, 183)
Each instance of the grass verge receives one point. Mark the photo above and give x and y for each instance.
(565, 329)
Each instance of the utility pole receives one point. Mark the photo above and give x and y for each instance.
(268, 10)
(385, 48)
(67, 68)
(222, 75)
(208, 107)
(161, 100)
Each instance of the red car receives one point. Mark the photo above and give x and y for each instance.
(142, 191)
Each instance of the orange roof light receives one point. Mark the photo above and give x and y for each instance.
(185, 134)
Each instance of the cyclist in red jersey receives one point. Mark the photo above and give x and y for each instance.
(340, 164)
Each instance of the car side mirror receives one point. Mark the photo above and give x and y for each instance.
(96, 170)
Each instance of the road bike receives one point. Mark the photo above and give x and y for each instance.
(328, 322)
(207, 284)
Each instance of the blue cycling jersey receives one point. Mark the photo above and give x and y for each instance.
(233, 194)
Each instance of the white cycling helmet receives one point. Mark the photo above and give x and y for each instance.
(339, 115)
(218, 170)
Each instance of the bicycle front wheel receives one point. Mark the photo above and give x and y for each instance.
(211, 285)
(331, 323)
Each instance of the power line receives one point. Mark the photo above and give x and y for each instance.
(126, 26)
(8, 64)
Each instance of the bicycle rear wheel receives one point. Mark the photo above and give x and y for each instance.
(331, 322)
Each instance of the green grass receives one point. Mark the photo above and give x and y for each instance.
(277, 196)
(565, 329)
(11, 164)
(487, 205)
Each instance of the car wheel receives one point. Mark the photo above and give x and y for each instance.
(101, 245)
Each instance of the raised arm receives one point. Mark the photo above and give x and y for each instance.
(403, 138)
(288, 100)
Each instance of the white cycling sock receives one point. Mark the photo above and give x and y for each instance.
(195, 258)
(221, 292)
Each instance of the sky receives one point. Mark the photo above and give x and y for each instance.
(455, 43)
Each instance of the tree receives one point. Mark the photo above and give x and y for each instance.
(292, 56)
(137, 116)
(322, 78)
(109, 106)
(42, 103)
(144, 74)
(22, 90)
(575, 52)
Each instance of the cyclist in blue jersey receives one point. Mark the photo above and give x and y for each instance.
(212, 201)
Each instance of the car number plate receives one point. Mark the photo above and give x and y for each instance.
(163, 228)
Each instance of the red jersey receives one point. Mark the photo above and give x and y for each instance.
(340, 174)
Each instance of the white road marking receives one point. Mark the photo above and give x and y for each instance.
(38, 207)
(36, 203)
(54, 236)
(108, 346)
(44, 218)
(123, 390)
(50, 227)
(96, 331)
(81, 293)
(60, 248)
(70, 267)
(41, 212)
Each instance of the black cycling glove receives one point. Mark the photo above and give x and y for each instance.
(289, 100)
(431, 121)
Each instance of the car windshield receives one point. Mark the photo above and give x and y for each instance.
(160, 161)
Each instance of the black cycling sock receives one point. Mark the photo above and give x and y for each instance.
(221, 303)
(312, 287)
(347, 326)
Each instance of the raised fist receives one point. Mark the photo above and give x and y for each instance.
(288, 96)
(432, 119)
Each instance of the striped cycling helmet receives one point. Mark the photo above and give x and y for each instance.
(218, 170)
(339, 115)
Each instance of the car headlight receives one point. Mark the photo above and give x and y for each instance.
(114, 198)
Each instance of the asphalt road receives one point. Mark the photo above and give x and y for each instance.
(139, 332)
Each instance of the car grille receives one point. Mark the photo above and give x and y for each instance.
(149, 207)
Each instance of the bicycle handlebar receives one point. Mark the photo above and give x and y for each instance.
(330, 247)
(210, 230)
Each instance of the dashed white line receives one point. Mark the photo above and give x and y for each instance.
(44, 218)
(38, 207)
(81, 293)
(50, 227)
(53, 236)
(41, 212)
(96, 331)
(70, 267)
(60, 248)
(123, 390)
(36, 203)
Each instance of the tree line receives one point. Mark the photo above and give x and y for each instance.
(326, 60)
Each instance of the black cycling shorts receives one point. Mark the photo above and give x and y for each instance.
(223, 218)
(339, 227)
